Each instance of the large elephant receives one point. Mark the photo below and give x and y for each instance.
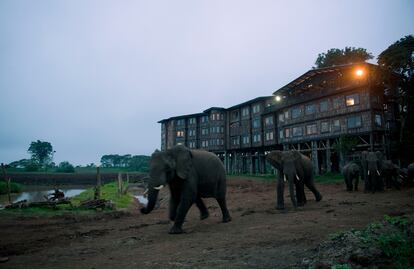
(297, 170)
(390, 173)
(371, 164)
(190, 175)
(410, 172)
(351, 174)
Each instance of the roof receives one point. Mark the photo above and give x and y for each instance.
(182, 117)
(213, 108)
(257, 99)
(318, 71)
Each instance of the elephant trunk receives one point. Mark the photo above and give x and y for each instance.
(152, 199)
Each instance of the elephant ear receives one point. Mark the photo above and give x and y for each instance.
(296, 155)
(182, 158)
(275, 158)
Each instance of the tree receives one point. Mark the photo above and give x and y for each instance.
(342, 56)
(41, 152)
(65, 167)
(399, 59)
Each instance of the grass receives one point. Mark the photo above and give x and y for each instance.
(325, 178)
(392, 236)
(15, 187)
(109, 192)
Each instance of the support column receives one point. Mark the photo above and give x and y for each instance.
(253, 164)
(315, 157)
(371, 141)
(328, 156)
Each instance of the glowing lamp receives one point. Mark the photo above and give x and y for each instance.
(278, 98)
(359, 72)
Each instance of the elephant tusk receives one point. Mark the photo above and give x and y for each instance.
(284, 178)
(368, 172)
(159, 187)
(146, 191)
(378, 173)
(297, 177)
(400, 176)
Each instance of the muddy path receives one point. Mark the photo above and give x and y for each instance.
(258, 237)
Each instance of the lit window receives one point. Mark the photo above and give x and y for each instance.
(287, 132)
(180, 133)
(352, 100)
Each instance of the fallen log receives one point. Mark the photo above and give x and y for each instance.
(52, 204)
(18, 204)
(97, 203)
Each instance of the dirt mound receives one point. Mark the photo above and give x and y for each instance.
(385, 244)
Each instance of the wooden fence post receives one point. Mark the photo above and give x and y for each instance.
(98, 184)
(7, 181)
(119, 183)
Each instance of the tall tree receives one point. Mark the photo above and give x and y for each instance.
(342, 56)
(399, 58)
(41, 152)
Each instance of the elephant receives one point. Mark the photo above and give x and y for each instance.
(190, 175)
(410, 172)
(351, 172)
(390, 173)
(371, 163)
(297, 169)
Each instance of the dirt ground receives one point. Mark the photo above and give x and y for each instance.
(258, 237)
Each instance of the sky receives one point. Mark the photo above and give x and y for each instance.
(94, 77)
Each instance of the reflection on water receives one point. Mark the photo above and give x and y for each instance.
(39, 194)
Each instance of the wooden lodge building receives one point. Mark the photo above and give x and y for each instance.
(309, 114)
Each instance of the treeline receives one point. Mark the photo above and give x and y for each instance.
(128, 161)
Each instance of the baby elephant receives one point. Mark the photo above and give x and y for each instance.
(351, 173)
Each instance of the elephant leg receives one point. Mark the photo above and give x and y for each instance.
(182, 210)
(223, 206)
(279, 194)
(202, 207)
(312, 188)
(300, 194)
(173, 208)
(356, 183)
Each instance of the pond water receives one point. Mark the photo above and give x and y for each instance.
(38, 193)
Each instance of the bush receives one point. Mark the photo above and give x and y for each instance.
(15, 187)
(65, 167)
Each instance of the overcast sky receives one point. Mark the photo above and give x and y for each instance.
(94, 77)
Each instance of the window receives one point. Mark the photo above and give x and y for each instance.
(191, 132)
(180, 122)
(235, 115)
(245, 112)
(325, 127)
(336, 125)
(378, 120)
(256, 138)
(286, 114)
(352, 99)
(323, 106)
(180, 133)
(296, 112)
(204, 119)
(354, 122)
(281, 134)
(216, 116)
(311, 129)
(256, 123)
(192, 121)
(246, 139)
(287, 132)
(191, 145)
(269, 121)
(269, 136)
(204, 143)
(281, 117)
(235, 141)
(204, 131)
(310, 109)
(256, 108)
(297, 131)
(337, 102)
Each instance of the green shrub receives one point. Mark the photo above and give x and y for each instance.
(15, 187)
(65, 167)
